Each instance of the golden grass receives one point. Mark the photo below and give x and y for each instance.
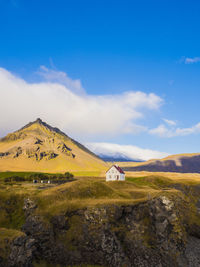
(89, 173)
(9, 233)
(94, 191)
(6, 237)
(84, 192)
(88, 192)
(128, 163)
(175, 177)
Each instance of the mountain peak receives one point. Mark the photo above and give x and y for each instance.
(44, 124)
(38, 120)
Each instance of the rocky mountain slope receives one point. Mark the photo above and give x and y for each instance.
(185, 163)
(40, 147)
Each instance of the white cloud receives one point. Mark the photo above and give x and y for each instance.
(169, 122)
(189, 60)
(125, 151)
(163, 131)
(187, 131)
(61, 102)
(60, 77)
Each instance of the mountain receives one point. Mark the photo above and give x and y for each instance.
(117, 158)
(41, 147)
(183, 163)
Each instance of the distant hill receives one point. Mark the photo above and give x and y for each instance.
(117, 158)
(111, 159)
(41, 147)
(183, 163)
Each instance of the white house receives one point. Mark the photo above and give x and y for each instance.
(115, 173)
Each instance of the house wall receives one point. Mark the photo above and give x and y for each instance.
(122, 176)
(112, 174)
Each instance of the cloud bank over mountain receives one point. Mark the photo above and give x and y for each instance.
(127, 152)
(63, 102)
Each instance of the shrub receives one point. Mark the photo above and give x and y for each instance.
(59, 176)
(14, 179)
(7, 180)
(40, 176)
(68, 175)
(17, 179)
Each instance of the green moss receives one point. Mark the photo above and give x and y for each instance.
(147, 236)
(6, 237)
(12, 215)
(74, 234)
(45, 264)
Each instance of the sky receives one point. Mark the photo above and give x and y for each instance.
(118, 76)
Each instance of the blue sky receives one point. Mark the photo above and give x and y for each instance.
(111, 47)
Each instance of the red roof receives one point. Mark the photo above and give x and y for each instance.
(118, 168)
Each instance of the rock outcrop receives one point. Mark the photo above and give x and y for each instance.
(150, 234)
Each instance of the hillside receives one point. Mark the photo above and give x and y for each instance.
(90, 222)
(183, 163)
(40, 147)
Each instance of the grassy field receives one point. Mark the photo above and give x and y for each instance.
(21, 174)
(28, 175)
(173, 176)
(89, 173)
(82, 192)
